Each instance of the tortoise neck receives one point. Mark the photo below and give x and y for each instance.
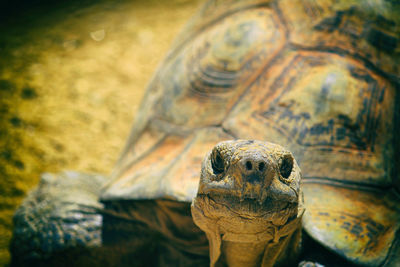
(262, 248)
(263, 253)
(241, 254)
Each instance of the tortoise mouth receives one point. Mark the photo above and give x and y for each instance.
(270, 209)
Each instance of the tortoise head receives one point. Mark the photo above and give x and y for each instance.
(248, 187)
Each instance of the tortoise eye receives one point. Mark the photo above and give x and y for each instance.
(217, 163)
(286, 166)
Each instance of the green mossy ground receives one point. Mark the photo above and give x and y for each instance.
(71, 78)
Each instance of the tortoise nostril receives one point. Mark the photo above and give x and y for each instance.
(249, 166)
(261, 166)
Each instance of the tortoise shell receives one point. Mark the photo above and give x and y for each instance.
(320, 78)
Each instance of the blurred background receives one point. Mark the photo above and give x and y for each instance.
(72, 74)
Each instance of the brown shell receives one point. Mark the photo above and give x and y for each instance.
(320, 78)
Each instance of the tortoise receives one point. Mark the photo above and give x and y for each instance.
(321, 79)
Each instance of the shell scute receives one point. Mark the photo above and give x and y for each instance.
(368, 31)
(362, 232)
(211, 72)
(170, 169)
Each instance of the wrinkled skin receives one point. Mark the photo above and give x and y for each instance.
(249, 204)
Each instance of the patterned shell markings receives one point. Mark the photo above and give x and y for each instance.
(318, 77)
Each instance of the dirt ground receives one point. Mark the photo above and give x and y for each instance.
(71, 78)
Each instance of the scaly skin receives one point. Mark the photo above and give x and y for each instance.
(60, 214)
(249, 204)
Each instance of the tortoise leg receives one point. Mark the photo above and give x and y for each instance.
(58, 221)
